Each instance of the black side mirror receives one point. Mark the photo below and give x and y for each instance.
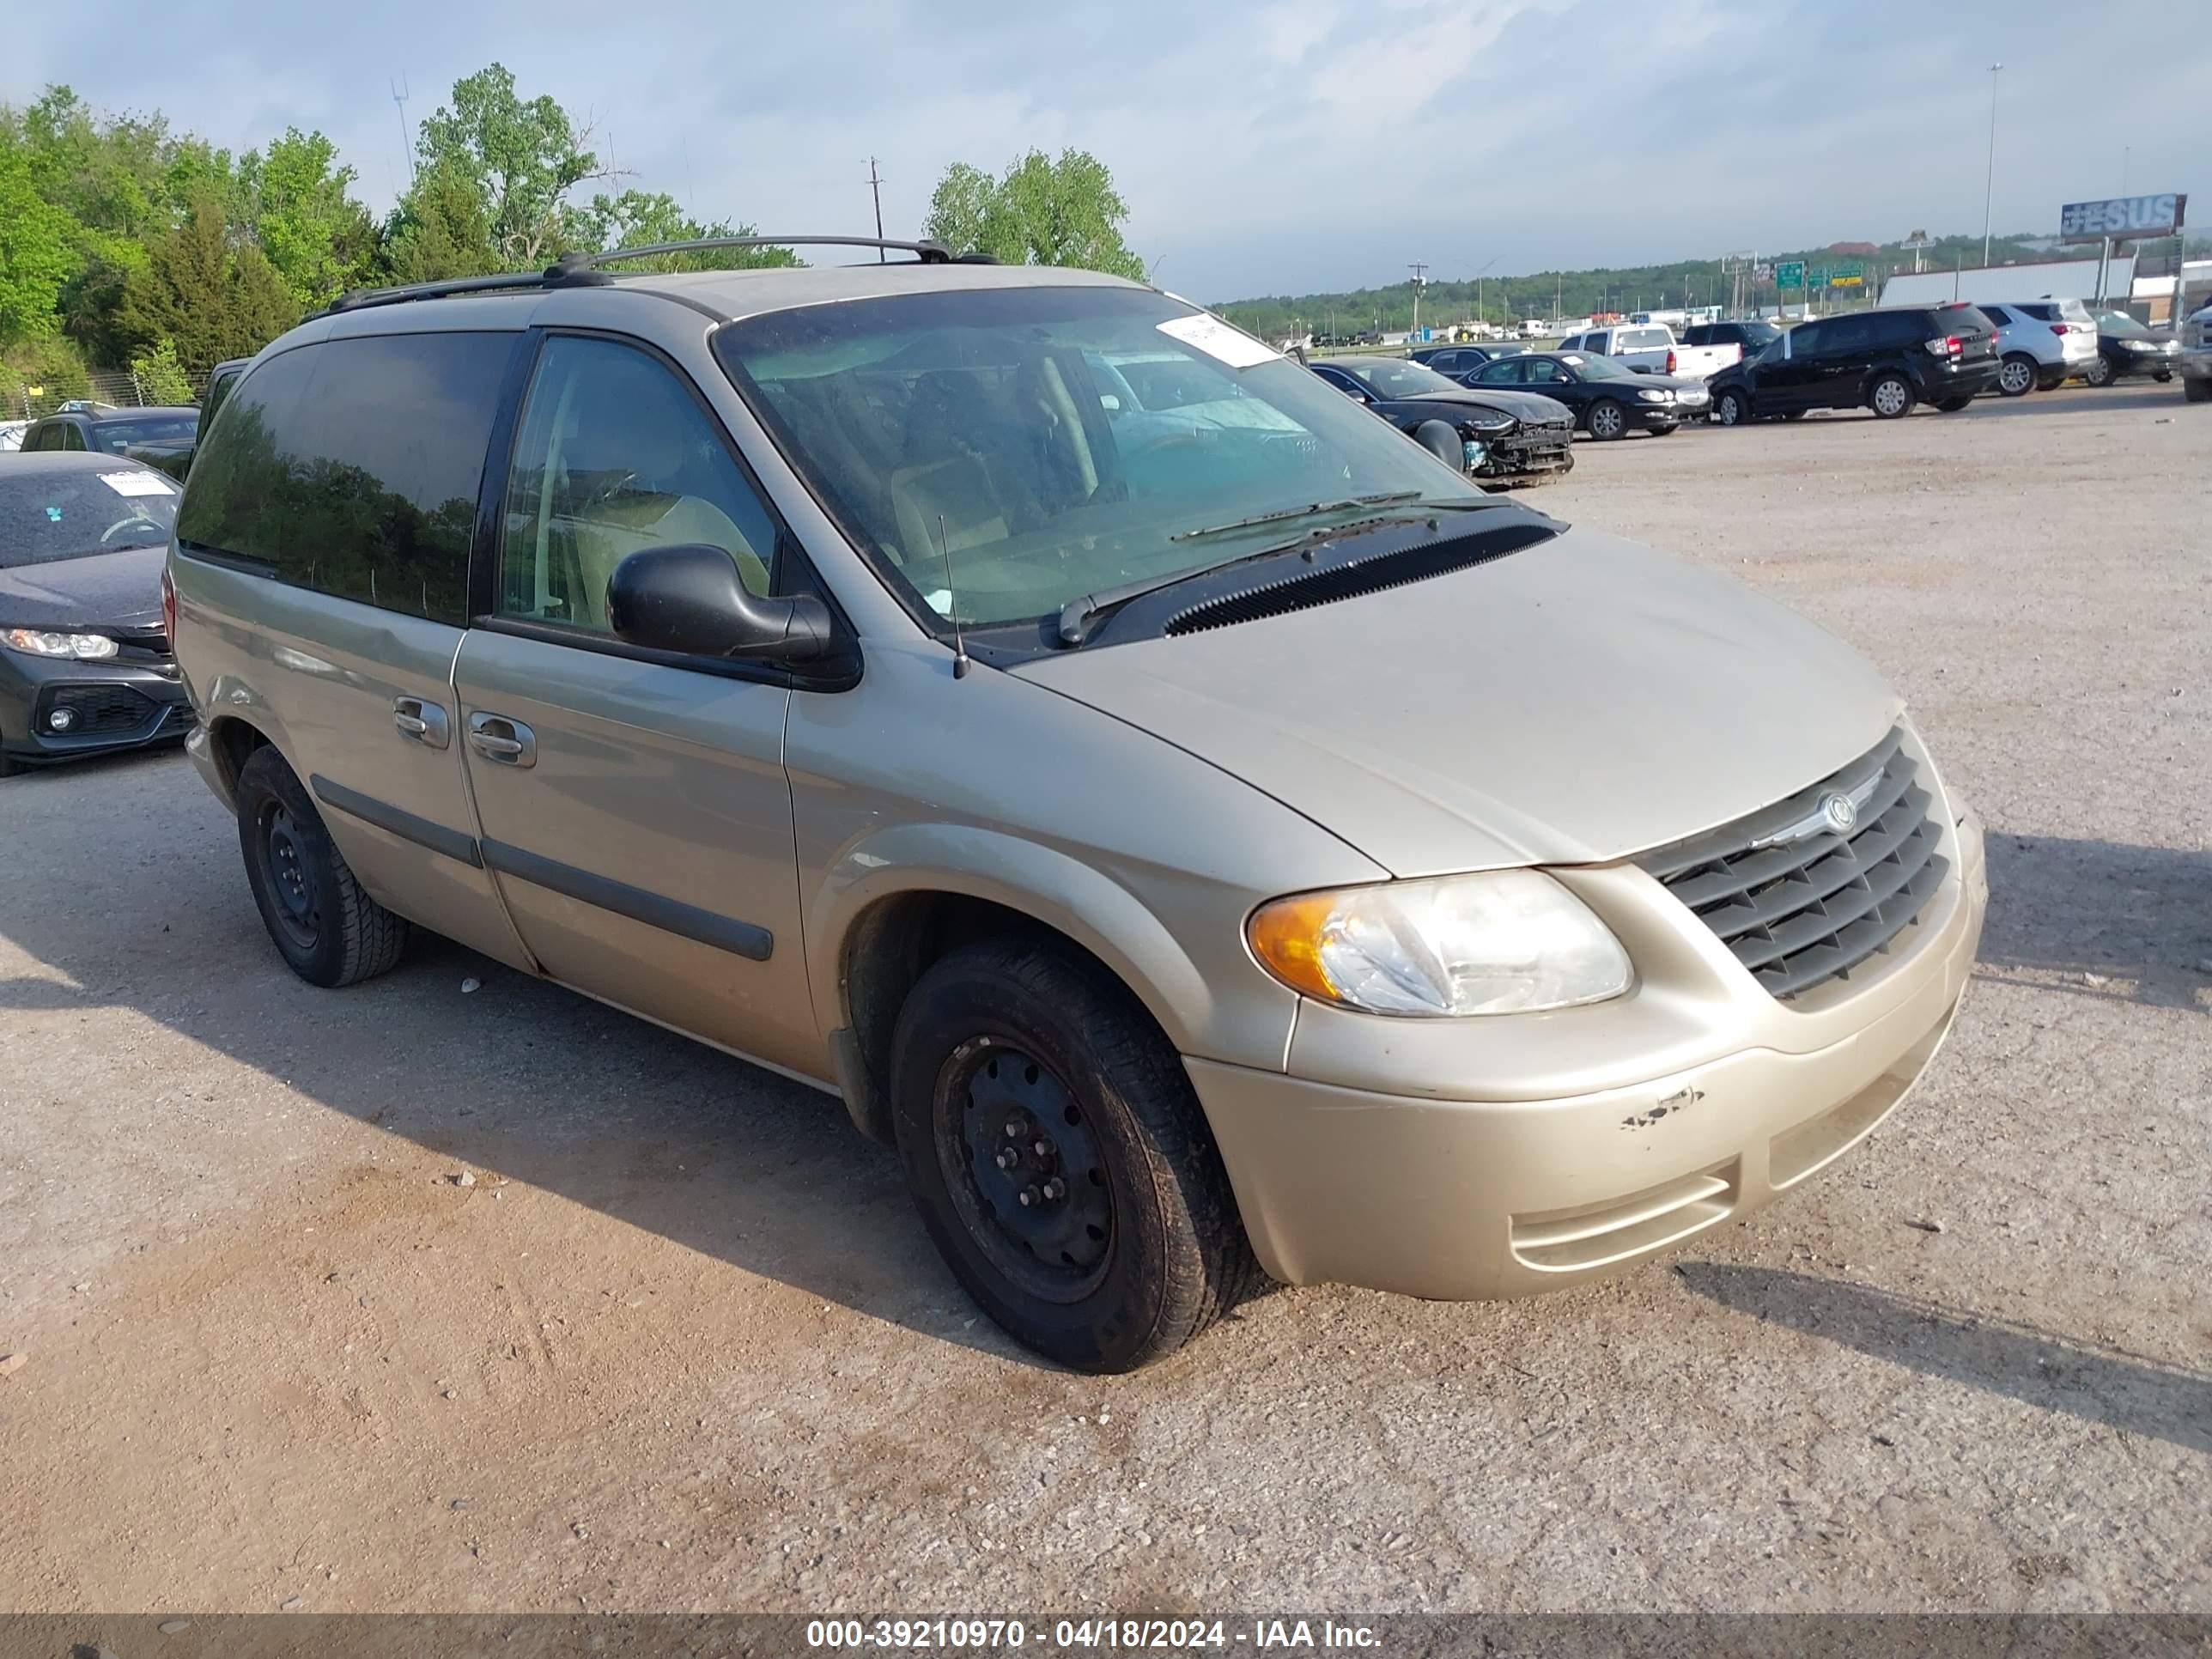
(689, 598)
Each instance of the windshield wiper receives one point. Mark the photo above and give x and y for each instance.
(1076, 615)
(1349, 504)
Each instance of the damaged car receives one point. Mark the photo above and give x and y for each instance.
(1501, 439)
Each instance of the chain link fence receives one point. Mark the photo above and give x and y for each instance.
(22, 401)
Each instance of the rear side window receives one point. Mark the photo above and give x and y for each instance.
(352, 467)
(1646, 340)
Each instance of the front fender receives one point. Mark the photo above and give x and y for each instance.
(1074, 898)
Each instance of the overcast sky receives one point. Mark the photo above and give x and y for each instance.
(1264, 146)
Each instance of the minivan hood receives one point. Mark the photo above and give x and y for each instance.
(114, 590)
(1577, 702)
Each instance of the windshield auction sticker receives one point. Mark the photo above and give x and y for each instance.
(137, 484)
(1219, 341)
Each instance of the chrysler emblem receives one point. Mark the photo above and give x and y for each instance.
(1842, 817)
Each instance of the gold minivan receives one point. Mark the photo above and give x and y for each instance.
(1198, 828)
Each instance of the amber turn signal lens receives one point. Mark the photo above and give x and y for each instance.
(1286, 937)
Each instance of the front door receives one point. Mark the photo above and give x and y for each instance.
(634, 805)
(1790, 378)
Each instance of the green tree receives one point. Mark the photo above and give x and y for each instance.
(524, 157)
(208, 301)
(161, 379)
(296, 199)
(639, 219)
(1042, 211)
(441, 228)
(257, 307)
(36, 252)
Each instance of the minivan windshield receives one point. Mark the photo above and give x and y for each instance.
(1023, 447)
(48, 514)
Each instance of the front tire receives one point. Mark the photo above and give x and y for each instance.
(1607, 420)
(1059, 1159)
(1952, 405)
(327, 930)
(2017, 374)
(1732, 408)
(1890, 397)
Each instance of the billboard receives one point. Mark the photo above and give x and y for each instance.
(2122, 216)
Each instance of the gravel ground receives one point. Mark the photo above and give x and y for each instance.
(683, 1346)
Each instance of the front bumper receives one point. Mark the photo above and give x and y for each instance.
(1528, 455)
(1464, 1199)
(2125, 362)
(2195, 363)
(110, 707)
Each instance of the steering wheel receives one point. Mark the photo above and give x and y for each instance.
(125, 523)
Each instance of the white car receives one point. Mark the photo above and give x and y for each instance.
(2043, 342)
(1652, 349)
(11, 434)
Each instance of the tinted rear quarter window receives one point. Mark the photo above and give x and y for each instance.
(352, 467)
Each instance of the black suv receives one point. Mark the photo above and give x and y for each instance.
(1885, 360)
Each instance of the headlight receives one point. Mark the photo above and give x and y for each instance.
(85, 648)
(2137, 345)
(1654, 397)
(1505, 942)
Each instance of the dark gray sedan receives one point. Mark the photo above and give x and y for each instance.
(85, 666)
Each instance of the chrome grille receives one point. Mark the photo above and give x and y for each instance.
(1801, 902)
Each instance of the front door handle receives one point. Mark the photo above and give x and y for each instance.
(423, 720)
(497, 737)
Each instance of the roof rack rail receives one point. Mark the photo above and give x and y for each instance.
(581, 269)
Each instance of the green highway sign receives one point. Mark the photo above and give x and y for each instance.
(1790, 273)
(1818, 277)
(1851, 274)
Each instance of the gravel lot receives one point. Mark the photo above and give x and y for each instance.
(683, 1344)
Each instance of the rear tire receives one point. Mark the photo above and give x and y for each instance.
(1014, 1045)
(1890, 397)
(327, 930)
(1607, 420)
(2017, 374)
(2098, 373)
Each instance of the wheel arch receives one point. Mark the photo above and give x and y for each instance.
(901, 900)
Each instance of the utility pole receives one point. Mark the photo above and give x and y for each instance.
(1990, 183)
(1420, 275)
(875, 189)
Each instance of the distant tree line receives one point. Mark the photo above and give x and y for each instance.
(1504, 300)
(127, 244)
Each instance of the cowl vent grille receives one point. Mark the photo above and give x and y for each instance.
(1375, 574)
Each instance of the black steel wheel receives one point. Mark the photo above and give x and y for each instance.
(1058, 1157)
(327, 930)
(1025, 1170)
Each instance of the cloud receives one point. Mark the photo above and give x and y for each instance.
(1265, 146)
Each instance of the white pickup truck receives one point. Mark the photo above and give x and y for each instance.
(1652, 349)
